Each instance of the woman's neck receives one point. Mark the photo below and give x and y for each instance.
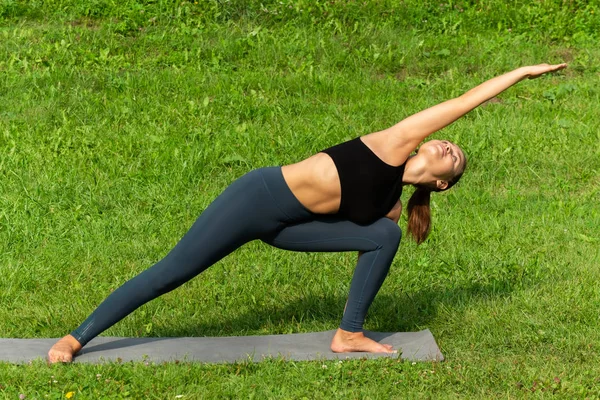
(413, 172)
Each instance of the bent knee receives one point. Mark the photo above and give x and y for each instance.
(388, 233)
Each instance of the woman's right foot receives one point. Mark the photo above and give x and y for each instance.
(64, 350)
(346, 342)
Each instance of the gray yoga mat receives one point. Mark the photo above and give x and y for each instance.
(414, 346)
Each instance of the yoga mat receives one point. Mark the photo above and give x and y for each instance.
(413, 346)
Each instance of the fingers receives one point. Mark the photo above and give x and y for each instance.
(559, 66)
(538, 70)
(552, 67)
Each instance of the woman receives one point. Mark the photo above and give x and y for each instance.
(344, 198)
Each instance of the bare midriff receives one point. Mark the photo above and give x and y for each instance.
(315, 183)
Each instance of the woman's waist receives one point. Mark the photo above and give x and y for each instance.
(314, 184)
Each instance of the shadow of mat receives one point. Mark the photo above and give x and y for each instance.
(414, 346)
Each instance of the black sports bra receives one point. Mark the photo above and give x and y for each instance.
(370, 187)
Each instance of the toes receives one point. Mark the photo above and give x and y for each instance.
(389, 348)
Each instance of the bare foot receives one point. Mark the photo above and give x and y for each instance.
(64, 350)
(345, 342)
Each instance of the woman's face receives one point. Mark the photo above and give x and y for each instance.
(443, 160)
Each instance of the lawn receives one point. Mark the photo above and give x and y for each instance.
(119, 123)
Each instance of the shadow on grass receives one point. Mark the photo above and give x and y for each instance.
(389, 313)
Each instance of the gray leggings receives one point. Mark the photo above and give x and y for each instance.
(259, 205)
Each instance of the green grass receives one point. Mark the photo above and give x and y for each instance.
(114, 138)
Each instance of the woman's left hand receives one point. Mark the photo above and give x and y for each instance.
(536, 71)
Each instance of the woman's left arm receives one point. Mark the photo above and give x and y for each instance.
(411, 131)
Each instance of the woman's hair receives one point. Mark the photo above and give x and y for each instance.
(419, 211)
(419, 214)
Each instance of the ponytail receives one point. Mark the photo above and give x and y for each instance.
(419, 214)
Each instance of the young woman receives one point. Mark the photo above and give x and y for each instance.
(345, 198)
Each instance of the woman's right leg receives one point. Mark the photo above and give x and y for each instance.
(378, 244)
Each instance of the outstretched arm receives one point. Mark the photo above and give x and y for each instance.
(411, 131)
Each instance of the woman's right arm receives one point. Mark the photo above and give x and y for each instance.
(395, 212)
(411, 131)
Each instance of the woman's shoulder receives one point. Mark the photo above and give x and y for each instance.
(389, 148)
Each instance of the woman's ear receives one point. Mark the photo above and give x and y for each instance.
(441, 185)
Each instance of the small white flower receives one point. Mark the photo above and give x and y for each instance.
(324, 366)
(179, 396)
(414, 363)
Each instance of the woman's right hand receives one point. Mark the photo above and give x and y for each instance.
(536, 71)
(395, 212)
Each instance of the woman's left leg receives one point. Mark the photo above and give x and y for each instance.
(259, 203)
